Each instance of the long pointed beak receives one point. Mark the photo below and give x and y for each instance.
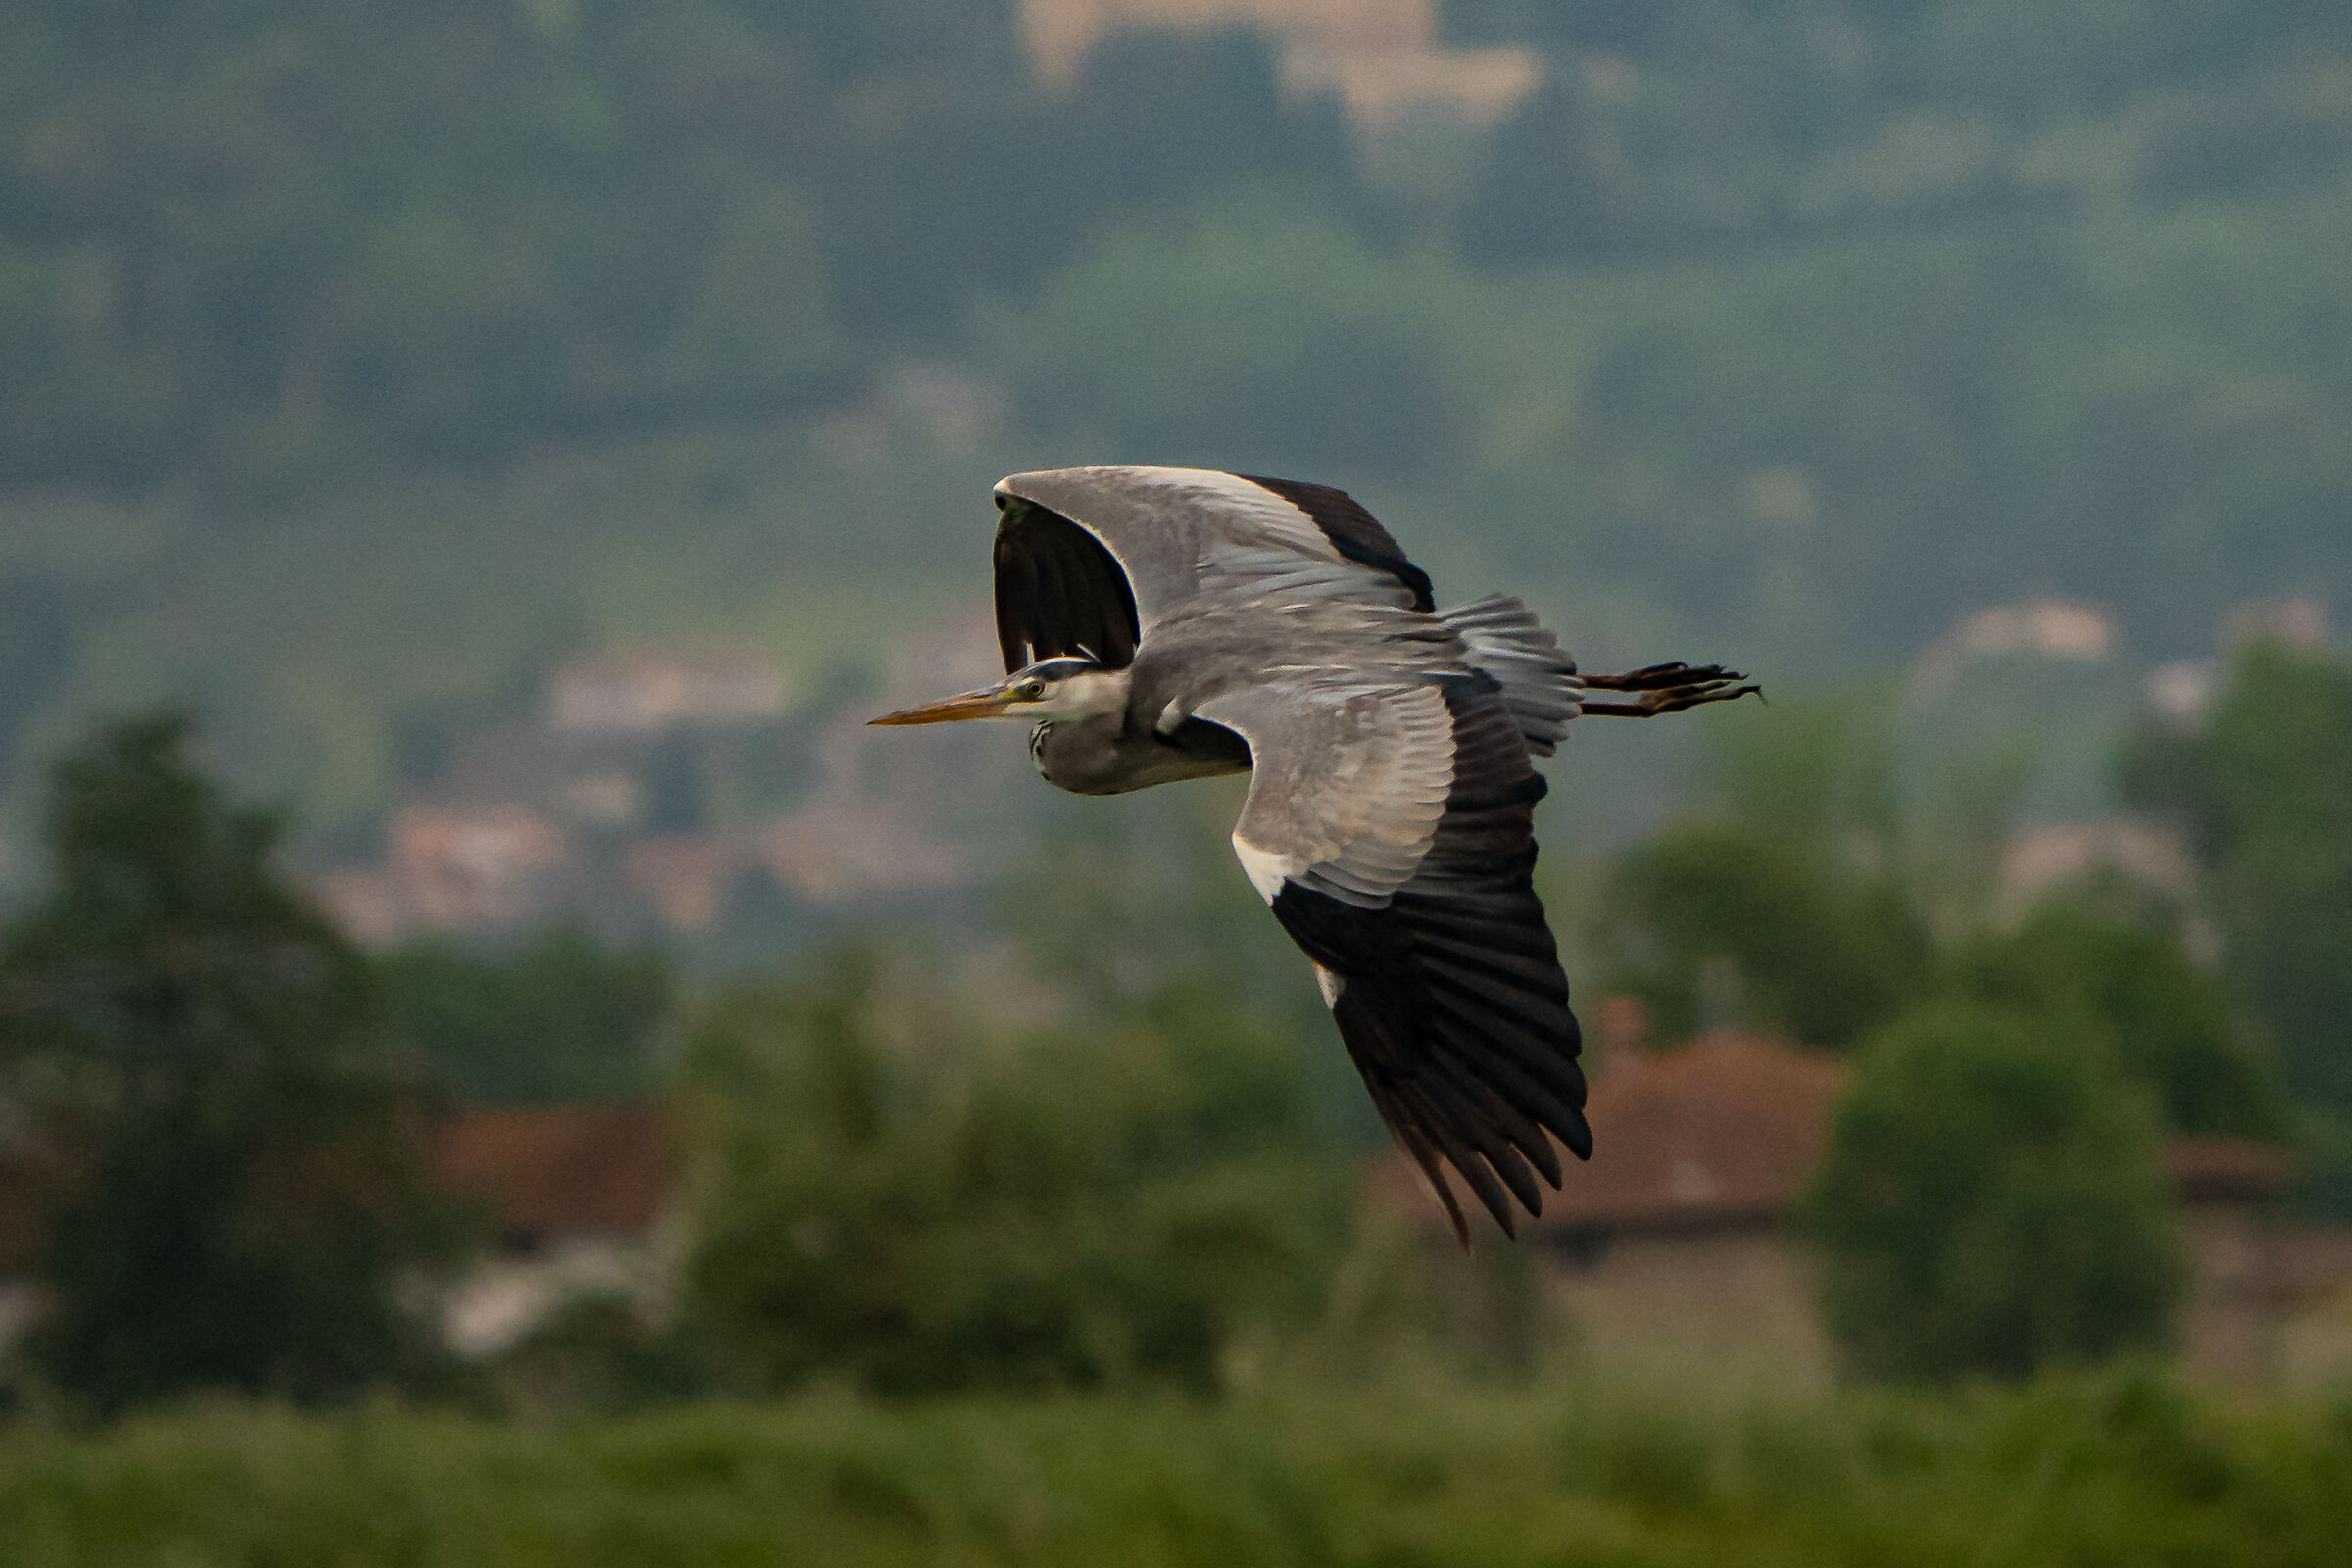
(987, 703)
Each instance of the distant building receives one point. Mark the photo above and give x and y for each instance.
(2051, 629)
(837, 846)
(685, 876)
(578, 1200)
(1675, 1239)
(2181, 692)
(2298, 620)
(644, 690)
(2237, 1299)
(451, 868)
(2043, 860)
(1677, 1244)
(581, 1201)
(1380, 58)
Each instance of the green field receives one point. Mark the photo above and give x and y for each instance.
(2121, 1469)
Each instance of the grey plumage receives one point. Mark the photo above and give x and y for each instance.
(1171, 623)
(1540, 683)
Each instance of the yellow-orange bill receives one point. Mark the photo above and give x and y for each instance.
(986, 704)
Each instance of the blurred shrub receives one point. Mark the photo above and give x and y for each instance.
(2265, 792)
(2167, 1021)
(186, 1038)
(1991, 1200)
(598, 1355)
(2067, 1471)
(1248, 337)
(1714, 924)
(927, 1212)
(559, 1018)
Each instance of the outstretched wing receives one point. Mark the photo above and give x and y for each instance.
(1089, 559)
(1389, 823)
(1540, 683)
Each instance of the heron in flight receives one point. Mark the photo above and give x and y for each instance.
(1172, 623)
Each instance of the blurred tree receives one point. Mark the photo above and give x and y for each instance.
(1787, 909)
(1991, 1201)
(2167, 1022)
(1816, 769)
(188, 1035)
(1716, 925)
(1130, 897)
(1556, 187)
(1162, 117)
(2265, 790)
(558, 1019)
(1248, 337)
(938, 1214)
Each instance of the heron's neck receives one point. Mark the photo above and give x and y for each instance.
(1087, 696)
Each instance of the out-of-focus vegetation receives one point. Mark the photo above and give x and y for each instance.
(365, 358)
(558, 1019)
(1822, 897)
(364, 361)
(1720, 924)
(933, 1211)
(1991, 1201)
(2121, 1468)
(1118, 1149)
(2265, 792)
(185, 1046)
(2167, 1022)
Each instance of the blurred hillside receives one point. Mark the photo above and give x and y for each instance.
(364, 362)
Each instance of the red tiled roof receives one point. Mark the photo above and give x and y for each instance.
(1731, 1127)
(561, 1170)
(2227, 1168)
(1728, 1127)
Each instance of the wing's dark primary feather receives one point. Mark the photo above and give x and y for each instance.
(1353, 532)
(1058, 591)
(1451, 1000)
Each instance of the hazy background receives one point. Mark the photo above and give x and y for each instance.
(364, 361)
(526, 438)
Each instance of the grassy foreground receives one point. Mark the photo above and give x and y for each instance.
(2123, 1469)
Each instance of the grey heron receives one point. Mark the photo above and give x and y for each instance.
(1171, 623)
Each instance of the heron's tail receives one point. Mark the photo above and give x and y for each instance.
(1540, 684)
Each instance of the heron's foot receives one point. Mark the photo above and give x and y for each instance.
(1668, 689)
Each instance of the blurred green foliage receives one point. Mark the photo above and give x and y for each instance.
(2065, 1473)
(188, 1042)
(558, 1019)
(425, 343)
(267, 244)
(1719, 925)
(2265, 791)
(897, 1199)
(2168, 1022)
(363, 361)
(1248, 337)
(1991, 1201)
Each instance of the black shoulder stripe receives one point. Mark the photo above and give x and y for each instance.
(1353, 532)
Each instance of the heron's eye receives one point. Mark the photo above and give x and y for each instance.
(1030, 690)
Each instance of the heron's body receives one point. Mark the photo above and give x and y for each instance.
(1164, 625)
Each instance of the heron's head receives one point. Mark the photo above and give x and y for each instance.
(1071, 687)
